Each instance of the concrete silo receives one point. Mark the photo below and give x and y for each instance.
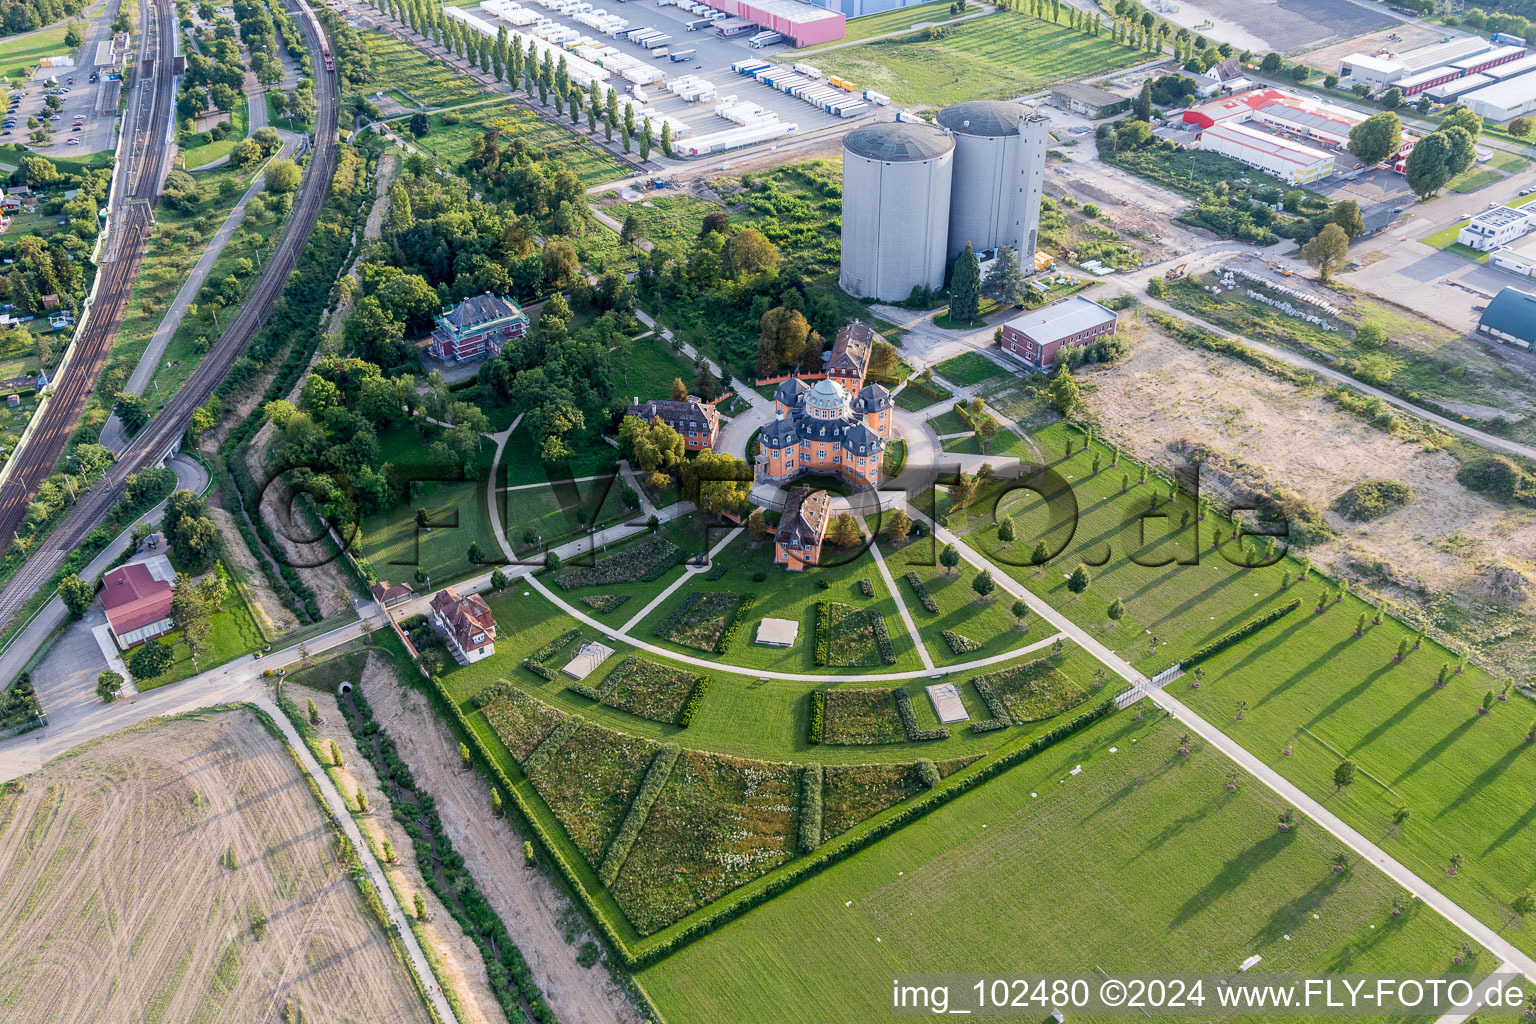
(999, 176)
(896, 188)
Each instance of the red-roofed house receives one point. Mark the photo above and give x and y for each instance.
(137, 599)
(466, 624)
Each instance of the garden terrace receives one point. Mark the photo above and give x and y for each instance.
(648, 688)
(855, 636)
(1028, 692)
(588, 784)
(701, 619)
(1203, 877)
(862, 716)
(520, 722)
(718, 823)
(643, 562)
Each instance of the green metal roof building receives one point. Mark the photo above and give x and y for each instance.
(1510, 318)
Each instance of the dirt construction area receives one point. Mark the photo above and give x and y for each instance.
(1396, 39)
(118, 902)
(1447, 546)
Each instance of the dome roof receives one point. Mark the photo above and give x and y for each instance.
(991, 118)
(827, 396)
(898, 141)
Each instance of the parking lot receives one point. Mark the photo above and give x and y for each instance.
(91, 104)
(712, 62)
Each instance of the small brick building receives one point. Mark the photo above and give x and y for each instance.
(1036, 337)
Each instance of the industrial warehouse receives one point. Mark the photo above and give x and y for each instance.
(914, 194)
(1494, 77)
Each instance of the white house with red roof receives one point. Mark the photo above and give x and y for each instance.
(466, 624)
(137, 600)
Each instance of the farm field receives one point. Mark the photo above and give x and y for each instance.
(993, 57)
(450, 142)
(426, 80)
(1169, 871)
(177, 934)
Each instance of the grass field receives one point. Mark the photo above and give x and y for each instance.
(450, 142)
(19, 56)
(994, 57)
(893, 21)
(969, 369)
(1497, 168)
(425, 79)
(648, 370)
(198, 150)
(1167, 871)
(158, 809)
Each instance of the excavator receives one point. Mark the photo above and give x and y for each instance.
(1176, 274)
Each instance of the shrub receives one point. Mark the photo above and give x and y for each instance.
(867, 587)
(882, 639)
(733, 624)
(717, 570)
(928, 772)
(1372, 499)
(921, 590)
(643, 563)
(601, 603)
(909, 718)
(818, 715)
(1241, 633)
(959, 644)
(552, 743)
(695, 701)
(500, 688)
(639, 810)
(810, 807)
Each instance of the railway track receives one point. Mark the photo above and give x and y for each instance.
(145, 129)
(167, 426)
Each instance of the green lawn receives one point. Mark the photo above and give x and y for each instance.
(199, 150)
(1144, 862)
(984, 621)
(457, 509)
(994, 57)
(1497, 168)
(427, 80)
(450, 142)
(969, 369)
(521, 465)
(558, 513)
(892, 21)
(649, 369)
(19, 56)
(667, 216)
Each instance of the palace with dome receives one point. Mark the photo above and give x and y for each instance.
(838, 426)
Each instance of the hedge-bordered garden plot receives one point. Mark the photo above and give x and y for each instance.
(520, 721)
(589, 782)
(855, 637)
(645, 688)
(1028, 692)
(703, 620)
(862, 716)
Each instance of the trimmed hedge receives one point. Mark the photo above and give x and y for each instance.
(909, 718)
(1241, 633)
(921, 590)
(551, 744)
(867, 587)
(823, 631)
(500, 688)
(959, 643)
(882, 638)
(994, 703)
(990, 725)
(639, 810)
(818, 715)
(733, 624)
(810, 807)
(535, 662)
(717, 570)
(811, 865)
(695, 701)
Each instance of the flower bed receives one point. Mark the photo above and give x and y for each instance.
(852, 792)
(854, 636)
(589, 782)
(861, 717)
(601, 603)
(1028, 693)
(921, 590)
(718, 823)
(520, 722)
(649, 560)
(703, 620)
(648, 689)
(867, 587)
(958, 643)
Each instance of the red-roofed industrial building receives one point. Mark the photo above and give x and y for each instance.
(137, 599)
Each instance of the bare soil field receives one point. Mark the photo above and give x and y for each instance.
(540, 920)
(458, 963)
(117, 904)
(1447, 547)
(1136, 207)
